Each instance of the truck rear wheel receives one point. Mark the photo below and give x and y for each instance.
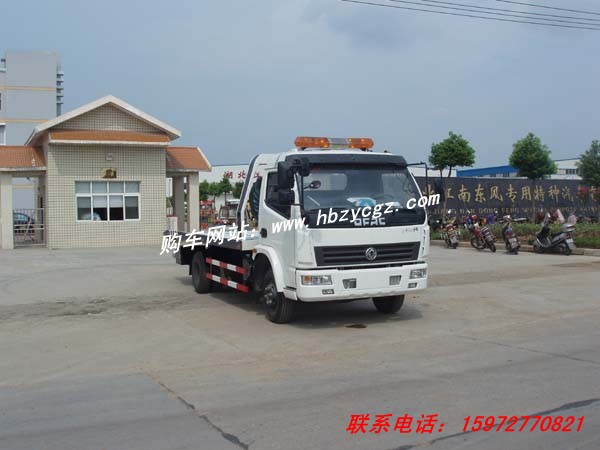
(279, 308)
(389, 305)
(202, 285)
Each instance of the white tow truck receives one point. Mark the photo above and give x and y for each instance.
(357, 238)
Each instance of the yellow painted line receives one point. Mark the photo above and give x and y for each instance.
(27, 88)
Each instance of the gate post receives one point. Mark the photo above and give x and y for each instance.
(193, 201)
(6, 212)
(179, 202)
(40, 209)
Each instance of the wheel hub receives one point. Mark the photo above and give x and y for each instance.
(269, 296)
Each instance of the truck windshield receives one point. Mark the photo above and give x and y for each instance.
(351, 187)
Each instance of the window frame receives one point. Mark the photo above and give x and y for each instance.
(268, 203)
(3, 133)
(107, 195)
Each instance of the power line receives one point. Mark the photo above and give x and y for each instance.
(490, 13)
(469, 15)
(529, 13)
(550, 7)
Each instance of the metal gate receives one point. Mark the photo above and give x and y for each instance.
(28, 227)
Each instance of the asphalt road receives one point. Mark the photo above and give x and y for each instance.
(112, 349)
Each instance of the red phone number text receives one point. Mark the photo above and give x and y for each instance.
(430, 423)
(511, 424)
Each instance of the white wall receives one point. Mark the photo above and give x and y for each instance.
(564, 169)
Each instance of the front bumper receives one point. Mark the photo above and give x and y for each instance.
(370, 282)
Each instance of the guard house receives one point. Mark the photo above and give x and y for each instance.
(100, 172)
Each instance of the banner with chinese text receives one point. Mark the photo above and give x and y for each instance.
(510, 196)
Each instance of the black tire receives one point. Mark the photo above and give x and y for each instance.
(389, 305)
(278, 308)
(538, 248)
(492, 247)
(566, 250)
(455, 245)
(477, 244)
(202, 285)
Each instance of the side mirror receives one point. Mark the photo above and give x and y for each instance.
(438, 187)
(285, 177)
(285, 197)
(304, 169)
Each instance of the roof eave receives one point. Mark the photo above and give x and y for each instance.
(169, 170)
(23, 169)
(90, 142)
(172, 132)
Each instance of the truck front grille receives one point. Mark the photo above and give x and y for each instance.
(356, 254)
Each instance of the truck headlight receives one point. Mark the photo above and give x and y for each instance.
(316, 280)
(418, 273)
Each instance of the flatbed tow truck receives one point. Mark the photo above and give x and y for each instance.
(357, 239)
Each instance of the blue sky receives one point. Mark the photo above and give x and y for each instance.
(240, 77)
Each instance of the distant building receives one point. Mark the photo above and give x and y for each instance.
(31, 92)
(566, 170)
(100, 171)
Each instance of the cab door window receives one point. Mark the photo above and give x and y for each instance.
(272, 197)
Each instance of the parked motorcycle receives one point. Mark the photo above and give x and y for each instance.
(511, 240)
(563, 240)
(481, 236)
(449, 232)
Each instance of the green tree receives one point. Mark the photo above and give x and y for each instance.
(226, 186)
(532, 160)
(589, 169)
(454, 151)
(214, 189)
(589, 165)
(237, 189)
(204, 190)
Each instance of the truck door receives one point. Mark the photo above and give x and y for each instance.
(273, 215)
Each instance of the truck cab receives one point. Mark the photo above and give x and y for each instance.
(227, 212)
(334, 224)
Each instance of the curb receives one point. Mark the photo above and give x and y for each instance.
(525, 248)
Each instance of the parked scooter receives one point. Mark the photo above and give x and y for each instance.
(511, 240)
(481, 236)
(449, 231)
(563, 240)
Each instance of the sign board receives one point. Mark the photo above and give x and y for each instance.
(511, 196)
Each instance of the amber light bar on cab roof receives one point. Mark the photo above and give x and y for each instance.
(303, 142)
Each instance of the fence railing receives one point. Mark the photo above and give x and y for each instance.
(28, 227)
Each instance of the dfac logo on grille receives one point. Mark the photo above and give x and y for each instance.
(370, 254)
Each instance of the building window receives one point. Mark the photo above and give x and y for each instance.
(108, 201)
(571, 171)
(2, 134)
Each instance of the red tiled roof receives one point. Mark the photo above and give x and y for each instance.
(107, 136)
(21, 157)
(186, 158)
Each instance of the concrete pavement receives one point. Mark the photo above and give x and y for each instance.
(113, 349)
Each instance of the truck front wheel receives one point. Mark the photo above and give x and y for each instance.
(279, 309)
(202, 285)
(389, 305)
